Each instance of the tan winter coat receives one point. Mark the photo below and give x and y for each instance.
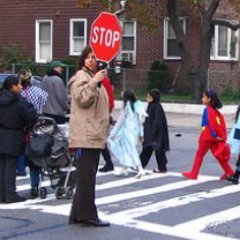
(89, 118)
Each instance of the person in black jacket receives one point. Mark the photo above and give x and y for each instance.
(16, 114)
(155, 133)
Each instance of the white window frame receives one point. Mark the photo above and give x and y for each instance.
(228, 57)
(71, 45)
(37, 48)
(133, 52)
(165, 37)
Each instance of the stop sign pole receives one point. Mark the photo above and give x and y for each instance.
(105, 36)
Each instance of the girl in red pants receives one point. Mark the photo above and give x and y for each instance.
(213, 137)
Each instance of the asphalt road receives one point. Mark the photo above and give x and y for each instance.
(157, 206)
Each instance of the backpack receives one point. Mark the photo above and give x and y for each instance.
(40, 145)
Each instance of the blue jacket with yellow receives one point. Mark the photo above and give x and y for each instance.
(214, 129)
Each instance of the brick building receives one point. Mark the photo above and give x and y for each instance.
(56, 29)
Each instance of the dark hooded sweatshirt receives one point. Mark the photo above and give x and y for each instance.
(15, 115)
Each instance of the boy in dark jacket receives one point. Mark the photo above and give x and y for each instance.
(15, 115)
(155, 133)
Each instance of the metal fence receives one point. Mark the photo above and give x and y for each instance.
(224, 82)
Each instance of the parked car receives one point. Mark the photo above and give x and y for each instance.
(36, 80)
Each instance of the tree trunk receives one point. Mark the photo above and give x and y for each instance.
(199, 78)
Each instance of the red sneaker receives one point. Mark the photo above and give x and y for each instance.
(189, 175)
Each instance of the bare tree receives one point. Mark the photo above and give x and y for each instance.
(195, 72)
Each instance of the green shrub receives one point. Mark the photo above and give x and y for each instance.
(9, 55)
(159, 76)
(230, 94)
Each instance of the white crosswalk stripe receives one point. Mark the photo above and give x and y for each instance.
(129, 202)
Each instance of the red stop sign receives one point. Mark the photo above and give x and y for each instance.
(105, 36)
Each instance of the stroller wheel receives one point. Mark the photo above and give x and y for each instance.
(59, 192)
(43, 192)
(69, 193)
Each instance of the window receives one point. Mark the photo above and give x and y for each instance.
(224, 44)
(78, 35)
(171, 50)
(43, 41)
(128, 47)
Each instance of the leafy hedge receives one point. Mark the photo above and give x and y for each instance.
(159, 76)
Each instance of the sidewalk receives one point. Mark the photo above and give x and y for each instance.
(186, 115)
(187, 108)
(193, 120)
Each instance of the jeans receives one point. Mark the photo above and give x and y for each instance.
(34, 174)
(21, 165)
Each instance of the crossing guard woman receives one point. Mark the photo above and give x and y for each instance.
(89, 120)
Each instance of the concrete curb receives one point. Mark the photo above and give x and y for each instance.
(186, 108)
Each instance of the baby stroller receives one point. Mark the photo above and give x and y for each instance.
(48, 149)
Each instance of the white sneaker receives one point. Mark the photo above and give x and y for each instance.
(121, 172)
(140, 174)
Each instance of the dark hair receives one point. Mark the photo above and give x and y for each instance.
(10, 81)
(26, 84)
(155, 94)
(83, 56)
(128, 95)
(214, 102)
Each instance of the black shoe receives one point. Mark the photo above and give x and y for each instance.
(34, 193)
(106, 168)
(15, 199)
(159, 171)
(21, 174)
(74, 221)
(95, 223)
(233, 179)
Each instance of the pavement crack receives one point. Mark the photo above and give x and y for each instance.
(25, 233)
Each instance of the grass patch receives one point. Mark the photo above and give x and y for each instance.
(173, 98)
(227, 98)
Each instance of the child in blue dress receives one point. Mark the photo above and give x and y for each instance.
(126, 134)
(234, 142)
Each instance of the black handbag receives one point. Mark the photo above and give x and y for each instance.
(40, 146)
(236, 134)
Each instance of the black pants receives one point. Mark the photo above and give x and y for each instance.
(83, 207)
(107, 157)
(238, 161)
(160, 158)
(8, 166)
